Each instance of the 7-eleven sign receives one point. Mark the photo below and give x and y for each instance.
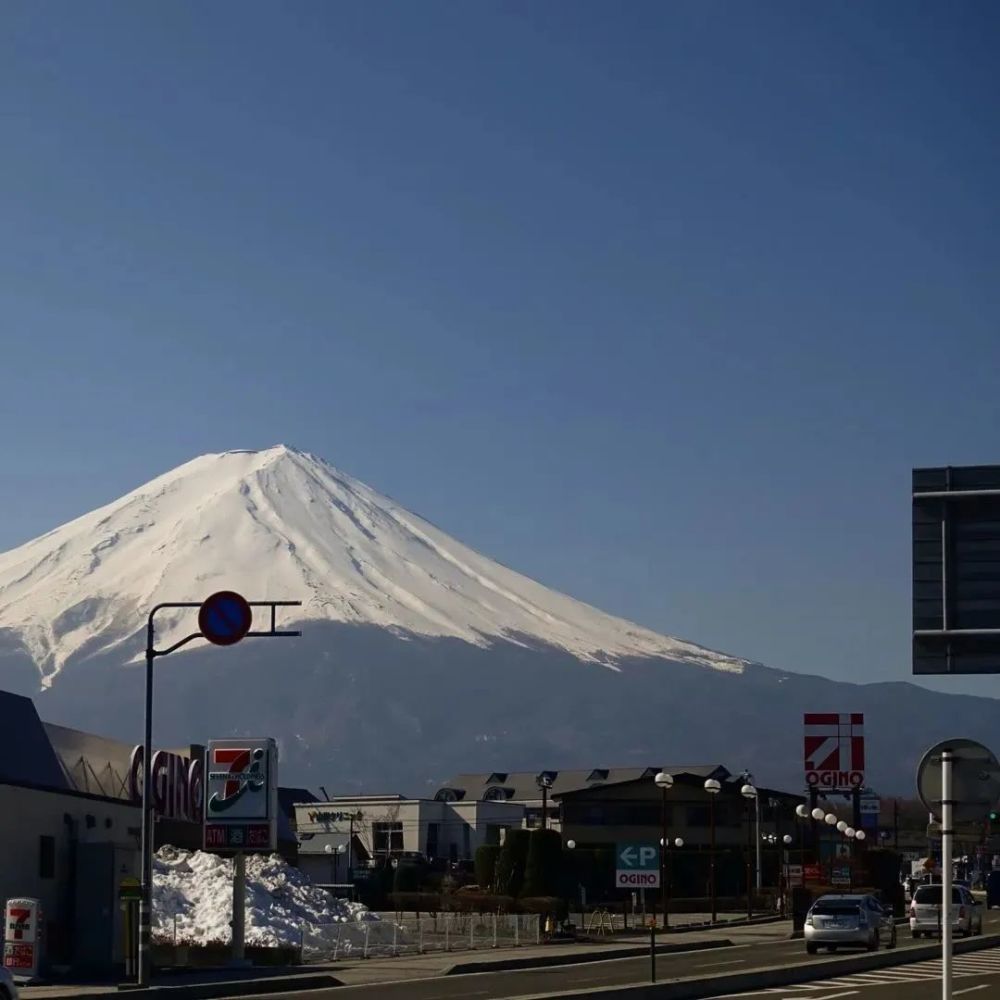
(834, 750)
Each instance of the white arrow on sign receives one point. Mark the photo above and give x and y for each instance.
(629, 856)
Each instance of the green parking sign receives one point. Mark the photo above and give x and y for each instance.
(637, 866)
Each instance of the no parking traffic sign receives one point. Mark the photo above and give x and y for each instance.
(224, 618)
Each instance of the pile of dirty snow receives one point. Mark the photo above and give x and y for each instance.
(193, 902)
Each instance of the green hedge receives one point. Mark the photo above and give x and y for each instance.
(487, 858)
(511, 862)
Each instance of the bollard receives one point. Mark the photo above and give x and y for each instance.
(420, 945)
(395, 945)
(447, 927)
(365, 955)
(494, 930)
(336, 947)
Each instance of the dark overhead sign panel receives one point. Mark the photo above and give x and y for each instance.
(956, 570)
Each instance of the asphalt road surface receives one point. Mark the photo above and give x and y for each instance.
(976, 977)
(618, 972)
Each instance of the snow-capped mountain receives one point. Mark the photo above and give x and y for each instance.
(282, 524)
(418, 658)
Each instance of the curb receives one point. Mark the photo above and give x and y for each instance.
(778, 976)
(548, 961)
(209, 991)
(707, 925)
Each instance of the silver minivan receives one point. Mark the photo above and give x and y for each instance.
(925, 911)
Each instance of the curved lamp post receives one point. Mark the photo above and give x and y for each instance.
(712, 787)
(664, 782)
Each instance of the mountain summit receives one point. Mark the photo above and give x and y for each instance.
(283, 524)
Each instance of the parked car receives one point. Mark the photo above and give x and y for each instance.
(925, 912)
(848, 920)
(8, 991)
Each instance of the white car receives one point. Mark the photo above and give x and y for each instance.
(925, 912)
(8, 991)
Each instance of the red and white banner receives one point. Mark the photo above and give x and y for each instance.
(834, 748)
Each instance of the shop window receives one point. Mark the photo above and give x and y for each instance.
(46, 857)
(387, 838)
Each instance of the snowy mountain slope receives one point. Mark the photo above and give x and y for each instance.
(283, 524)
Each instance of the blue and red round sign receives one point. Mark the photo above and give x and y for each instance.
(225, 618)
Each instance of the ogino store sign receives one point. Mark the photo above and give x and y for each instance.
(637, 866)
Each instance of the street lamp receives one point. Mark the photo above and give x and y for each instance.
(830, 819)
(712, 787)
(571, 844)
(750, 794)
(817, 814)
(787, 839)
(841, 826)
(679, 842)
(860, 835)
(664, 782)
(545, 783)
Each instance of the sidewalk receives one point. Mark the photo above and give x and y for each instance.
(357, 972)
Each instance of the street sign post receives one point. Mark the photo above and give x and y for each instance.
(637, 866)
(241, 796)
(224, 619)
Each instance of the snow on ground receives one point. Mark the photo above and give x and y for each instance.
(282, 524)
(283, 907)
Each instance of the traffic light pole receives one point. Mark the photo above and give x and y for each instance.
(144, 966)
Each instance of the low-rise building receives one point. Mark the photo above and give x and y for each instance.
(533, 788)
(352, 830)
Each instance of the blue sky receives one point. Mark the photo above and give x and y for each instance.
(657, 302)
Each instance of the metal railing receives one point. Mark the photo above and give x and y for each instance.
(399, 934)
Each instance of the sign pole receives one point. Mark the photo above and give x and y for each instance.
(224, 619)
(239, 908)
(146, 897)
(947, 838)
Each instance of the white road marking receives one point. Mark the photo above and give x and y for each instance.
(709, 965)
(958, 993)
(833, 996)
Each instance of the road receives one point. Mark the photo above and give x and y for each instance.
(618, 972)
(976, 977)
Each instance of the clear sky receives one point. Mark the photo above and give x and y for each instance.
(655, 302)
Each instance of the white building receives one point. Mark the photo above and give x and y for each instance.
(358, 829)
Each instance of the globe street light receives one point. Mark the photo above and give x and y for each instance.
(802, 811)
(830, 819)
(544, 782)
(750, 794)
(712, 787)
(860, 835)
(571, 844)
(787, 839)
(817, 814)
(664, 782)
(841, 826)
(679, 842)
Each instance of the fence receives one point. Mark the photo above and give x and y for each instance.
(402, 935)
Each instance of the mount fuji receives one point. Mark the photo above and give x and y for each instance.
(419, 657)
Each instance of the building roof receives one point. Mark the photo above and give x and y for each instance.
(26, 755)
(522, 786)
